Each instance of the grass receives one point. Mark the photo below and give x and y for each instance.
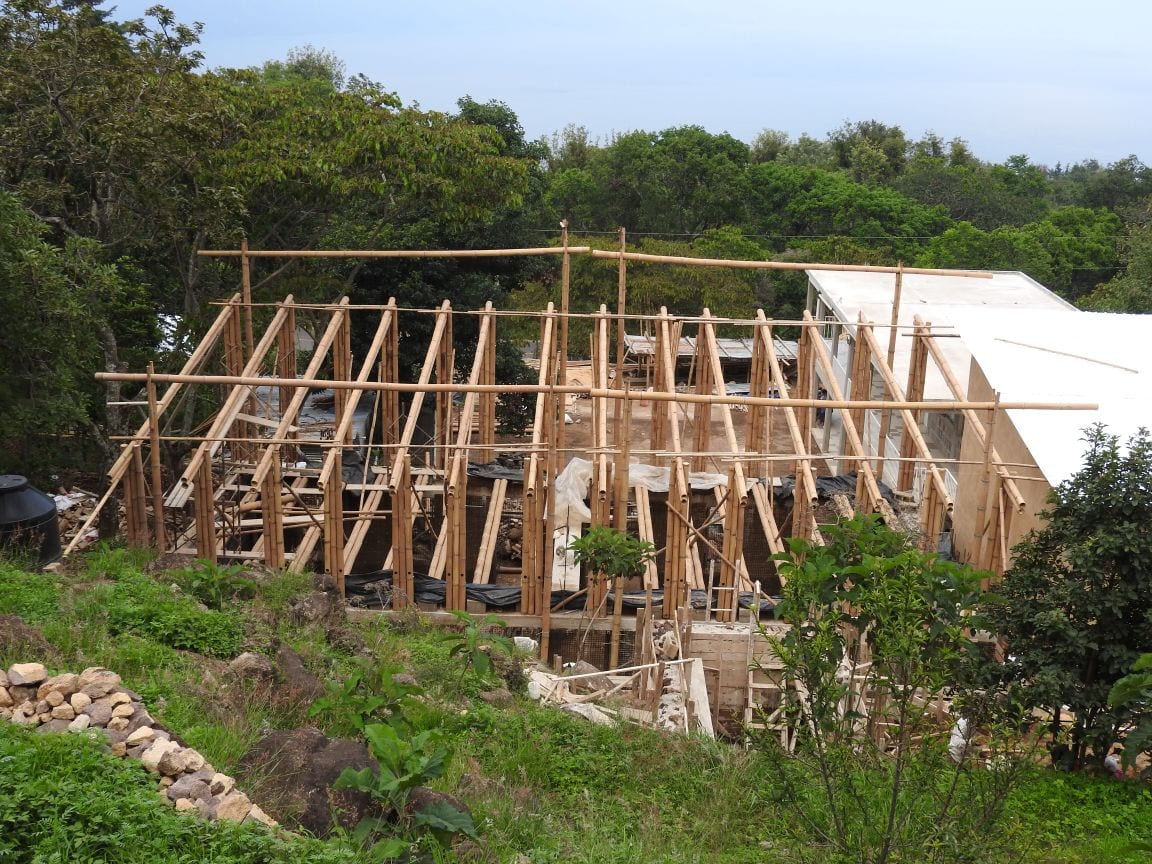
(543, 786)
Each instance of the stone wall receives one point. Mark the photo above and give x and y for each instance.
(95, 702)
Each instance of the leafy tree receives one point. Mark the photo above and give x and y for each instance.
(877, 629)
(1133, 693)
(1131, 290)
(871, 147)
(1074, 608)
(964, 246)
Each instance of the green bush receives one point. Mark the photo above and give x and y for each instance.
(138, 604)
(62, 798)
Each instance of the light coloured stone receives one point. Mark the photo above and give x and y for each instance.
(53, 698)
(118, 748)
(258, 815)
(193, 761)
(4, 682)
(5, 698)
(173, 762)
(98, 690)
(118, 698)
(221, 784)
(233, 807)
(63, 712)
(26, 674)
(98, 675)
(165, 782)
(65, 685)
(123, 711)
(151, 757)
(118, 724)
(144, 733)
(43, 706)
(185, 804)
(79, 722)
(6, 713)
(43, 716)
(79, 701)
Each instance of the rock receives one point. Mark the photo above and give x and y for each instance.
(43, 706)
(526, 644)
(139, 736)
(499, 696)
(253, 667)
(300, 767)
(151, 757)
(186, 787)
(79, 701)
(26, 674)
(233, 807)
(312, 608)
(125, 710)
(118, 749)
(21, 694)
(139, 718)
(193, 761)
(294, 678)
(43, 716)
(100, 713)
(98, 675)
(65, 684)
(54, 726)
(119, 724)
(5, 698)
(112, 736)
(5, 713)
(22, 719)
(184, 804)
(221, 784)
(405, 679)
(173, 762)
(54, 698)
(118, 697)
(98, 690)
(587, 685)
(165, 782)
(136, 752)
(4, 682)
(421, 798)
(80, 722)
(64, 712)
(345, 640)
(258, 815)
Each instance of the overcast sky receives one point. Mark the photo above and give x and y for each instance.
(1058, 81)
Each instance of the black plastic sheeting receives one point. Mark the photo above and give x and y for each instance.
(826, 487)
(374, 590)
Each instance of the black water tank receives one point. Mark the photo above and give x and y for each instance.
(28, 522)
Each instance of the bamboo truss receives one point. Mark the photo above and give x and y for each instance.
(376, 491)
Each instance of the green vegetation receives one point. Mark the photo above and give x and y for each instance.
(1074, 606)
(539, 783)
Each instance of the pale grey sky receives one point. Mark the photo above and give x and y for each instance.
(1058, 81)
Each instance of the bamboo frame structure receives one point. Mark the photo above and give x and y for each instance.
(252, 489)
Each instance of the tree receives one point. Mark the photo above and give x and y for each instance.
(1130, 290)
(876, 630)
(1075, 607)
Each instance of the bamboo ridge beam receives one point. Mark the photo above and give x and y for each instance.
(785, 265)
(389, 253)
(594, 392)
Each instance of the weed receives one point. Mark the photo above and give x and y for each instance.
(368, 694)
(474, 643)
(214, 584)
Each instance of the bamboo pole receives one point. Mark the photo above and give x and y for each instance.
(205, 512)
(421, 387)
(393, 253)
(154, 460)
(886, 415)
(403, 588)
(246, 292)
(595, 393)
(786, 265)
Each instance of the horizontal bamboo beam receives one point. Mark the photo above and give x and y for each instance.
(609, 393)
(784, 265)
(388, 253)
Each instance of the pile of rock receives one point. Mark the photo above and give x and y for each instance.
(95, 699)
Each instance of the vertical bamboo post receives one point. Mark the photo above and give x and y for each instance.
(389, 400)
(675, 561)
(445, 372)
(565, 300)
(272, 508)
(702, 411)
(659, 434)
(154, 458)
(135, 503)
(246, 296)
(342, 369)
(403, 589)
(805, 385)
(983, 517)
(205, 511)
(757, 436)
(332, 486)
(286, 367)
(886, 415)
(917, 371)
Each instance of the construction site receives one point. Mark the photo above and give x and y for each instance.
(701, 435)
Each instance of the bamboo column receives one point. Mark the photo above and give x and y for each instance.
(565, 296)
(659, 433)
(154, 459)
(286, 368)
(342, 371)
(135, 500)
(702, 410)
(886, 415)
(445, 374)
(205, 498)
(403, 589)
(758, 437)
(917, 371)
(676, 542)
(272, 507)
(389, 400)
